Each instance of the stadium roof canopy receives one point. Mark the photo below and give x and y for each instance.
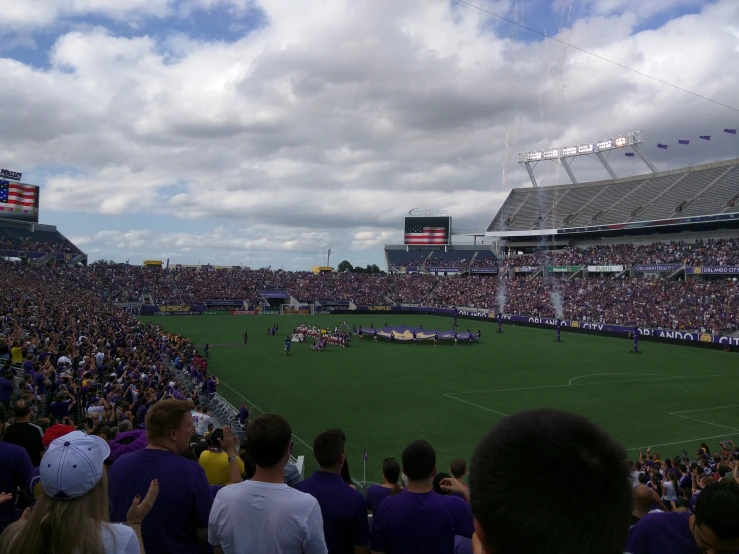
(711, 189)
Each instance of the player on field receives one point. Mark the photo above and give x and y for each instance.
(414, 337)
(436, 339)
(246, 337)
(287, 346)
(206, 350)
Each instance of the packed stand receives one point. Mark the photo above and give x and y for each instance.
(39, 241)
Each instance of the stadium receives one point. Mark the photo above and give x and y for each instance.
(587, 321)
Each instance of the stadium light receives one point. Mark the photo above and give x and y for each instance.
(596, 148)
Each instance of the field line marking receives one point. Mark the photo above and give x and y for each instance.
(706, 422)
(476, 405)
(599, 383)
(296, 437)
(680, 442)
(704, 409)
(598, 374)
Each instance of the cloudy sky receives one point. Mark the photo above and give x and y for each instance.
(224, 131)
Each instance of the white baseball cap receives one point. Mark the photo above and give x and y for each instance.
(73, 465)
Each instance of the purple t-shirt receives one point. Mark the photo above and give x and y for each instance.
(15, 471)
(420, 523)
(40, 381)
(462, 545)
(60, 409)
(375, 495)
(183, 504)
(343, 509)
(660, 533)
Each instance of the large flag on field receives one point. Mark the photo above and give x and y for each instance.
(416, 234)
(15, 195)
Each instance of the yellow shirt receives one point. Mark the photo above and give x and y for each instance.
(17, 354)
(216, 468)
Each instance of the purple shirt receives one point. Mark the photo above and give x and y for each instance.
(343, 509)
(6, 390)
(39, 380)
(659, 533)
(211, 386)
(183, 504)
(60, 409)
(375, 495)
(415, 523)
(15, 471)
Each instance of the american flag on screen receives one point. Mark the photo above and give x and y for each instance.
(17, 196)
(416, 234)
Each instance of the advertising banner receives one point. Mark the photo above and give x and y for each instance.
(217, 312)
(243, 312)
(605, 268)
(408, 269)
(274, 294)
(444, 269)
(172, 310)
(488, 270)
(224, 302)
(474, 312)
(563, 268)
(713, 270)
(645, 331)
(525, 269)
(656, 268)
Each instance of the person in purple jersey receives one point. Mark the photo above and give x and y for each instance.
(713, 529)
(419, 521)
(378, 493)
(342, 507)
(179, 520)
(514, 515)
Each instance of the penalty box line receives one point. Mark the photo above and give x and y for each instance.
(571, 384)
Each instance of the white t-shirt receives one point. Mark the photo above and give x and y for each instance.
(253, 517)
(92, 409)
(205, 420)
(119, 539)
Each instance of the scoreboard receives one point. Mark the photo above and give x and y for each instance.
(427, 231)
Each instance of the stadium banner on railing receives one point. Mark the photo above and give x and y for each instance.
(224, 302)
(408, 269)
(488, 270)
(444, 269)
(274, 294)
(713, 270)
(656, 268)
(645, 331)
(525, 268)
(172, 310)
(605, 268)
(475, 312)
(243, 312)
(563, 268)
(218, 312)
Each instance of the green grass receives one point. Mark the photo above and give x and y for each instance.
(383, 396)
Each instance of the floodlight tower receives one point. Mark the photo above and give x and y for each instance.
(565, 154)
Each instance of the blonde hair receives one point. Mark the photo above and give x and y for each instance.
(57, 526)
(164, 416)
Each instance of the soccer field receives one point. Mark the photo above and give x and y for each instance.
(385, 395)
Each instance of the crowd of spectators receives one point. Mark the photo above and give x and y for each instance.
(108, 446)
(716, 252)
(10, 239)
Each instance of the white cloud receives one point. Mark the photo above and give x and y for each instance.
(328, 124)
(19, 14)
